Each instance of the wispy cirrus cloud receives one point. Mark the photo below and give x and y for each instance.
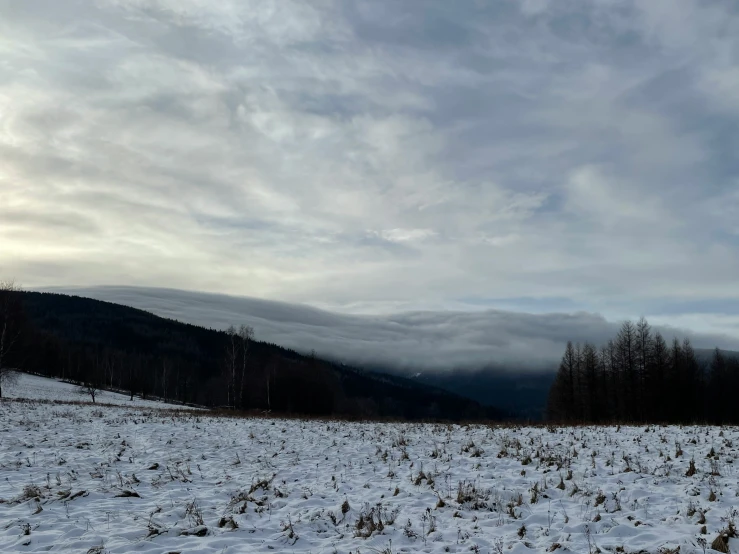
(375, 153)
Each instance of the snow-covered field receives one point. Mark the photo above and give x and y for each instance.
(81, 478)
(43, 388)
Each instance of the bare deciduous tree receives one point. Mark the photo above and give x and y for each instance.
(231, 362)
(91, 389)
(638, 378)
(165, 370)
(246, 334)
(237, 353)
(10, 329)
(271, 368)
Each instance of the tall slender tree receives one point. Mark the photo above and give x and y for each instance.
(589, 388)
(626, 359)
(656, 374)
(604, 400)
(644, 347)
(246, 336)
(232, 357)
(719, 392)
(638, 377)
(561, 404)
(11, 326)
(693, 386)
(675, 390)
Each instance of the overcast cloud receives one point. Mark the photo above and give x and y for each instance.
(379, 156)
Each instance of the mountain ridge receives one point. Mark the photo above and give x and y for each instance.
(82, 336)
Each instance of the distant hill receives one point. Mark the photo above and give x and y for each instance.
(496, 357)
(131, 349)
(522, 394)
(705, 355)
(92, 327)
(519, 393)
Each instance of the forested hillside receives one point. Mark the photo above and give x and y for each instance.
(520, 392)
(639, 377)
(111, 346)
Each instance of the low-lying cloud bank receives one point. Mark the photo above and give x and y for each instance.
(430, 340)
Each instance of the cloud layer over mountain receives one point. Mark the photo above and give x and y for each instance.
(413, 340)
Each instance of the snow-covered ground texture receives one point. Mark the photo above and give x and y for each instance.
(43, 388)
(81, 478)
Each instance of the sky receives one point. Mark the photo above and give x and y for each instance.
(379, 157)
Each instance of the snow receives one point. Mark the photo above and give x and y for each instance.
(44, 388)
(79, 477)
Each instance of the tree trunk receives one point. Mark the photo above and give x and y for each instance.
(164, 379)
(241, 388)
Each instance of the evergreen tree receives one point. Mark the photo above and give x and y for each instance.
(589, 387)
(656, 379)
(674, 392)
(693, 386)
(644, 348)
(561, 402)
(638, 377)
(604, 382)
(719, 382)
(627, 364)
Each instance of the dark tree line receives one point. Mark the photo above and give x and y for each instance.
(639, 377)
(100, 345)
(11, 323)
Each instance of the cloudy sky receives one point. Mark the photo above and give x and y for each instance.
(379, 156)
